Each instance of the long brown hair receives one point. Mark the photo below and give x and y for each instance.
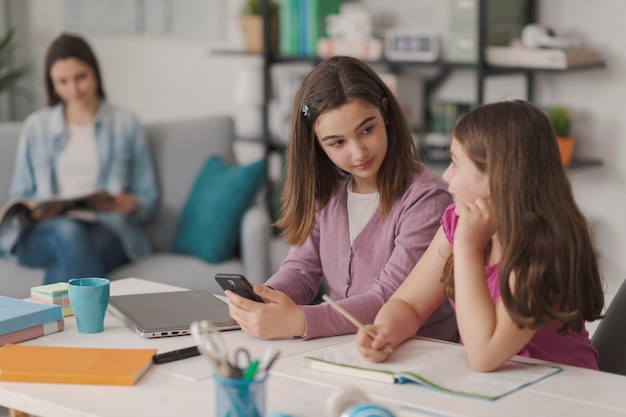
(311, 177)
(546, 240)
(70, 46)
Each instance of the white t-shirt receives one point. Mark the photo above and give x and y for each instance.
(361, 208)
(77, 166)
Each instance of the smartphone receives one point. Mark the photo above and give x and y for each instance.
(239, 285)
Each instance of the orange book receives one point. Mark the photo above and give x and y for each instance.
(74, 365)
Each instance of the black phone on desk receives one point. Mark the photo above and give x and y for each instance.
(239, 285)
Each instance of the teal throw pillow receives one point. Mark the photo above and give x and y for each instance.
(209, 225)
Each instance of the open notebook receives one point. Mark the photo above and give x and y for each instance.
(432, 363)
(170, 313)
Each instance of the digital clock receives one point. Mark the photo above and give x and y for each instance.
(411, 45)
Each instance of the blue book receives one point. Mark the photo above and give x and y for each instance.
(288, 22)
(303, 28)
(18, 314)
(316, 13)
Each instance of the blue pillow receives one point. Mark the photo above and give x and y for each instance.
(209, 225)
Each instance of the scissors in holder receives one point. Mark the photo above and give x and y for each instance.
(241, 362)
(212, 345)
(247, 369)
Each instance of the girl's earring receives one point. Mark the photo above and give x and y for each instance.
(386, 122)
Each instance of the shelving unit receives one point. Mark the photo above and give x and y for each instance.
(481, 68)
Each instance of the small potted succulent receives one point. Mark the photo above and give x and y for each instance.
(561, 118)
(251, 22)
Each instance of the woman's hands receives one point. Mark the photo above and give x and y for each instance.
(279, 317)
(123, 203)
(47, 212)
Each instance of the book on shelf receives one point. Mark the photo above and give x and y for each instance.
(548, 58)
(74, 365)
(32, 332)
(288, 19)
(316, 12)
(16, 314)
(439, 365)
(302, 23)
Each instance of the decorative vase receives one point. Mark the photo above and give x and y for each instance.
(566, 149)
(252, 29)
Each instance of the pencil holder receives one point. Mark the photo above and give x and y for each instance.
(240, 397)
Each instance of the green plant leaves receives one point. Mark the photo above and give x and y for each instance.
(253, 7)
(8, 75)
(561, 119)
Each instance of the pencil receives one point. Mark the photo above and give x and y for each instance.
(353, 320)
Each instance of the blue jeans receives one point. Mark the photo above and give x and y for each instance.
(69, 248)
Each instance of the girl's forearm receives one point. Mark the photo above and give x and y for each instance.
(476, 315)
(488, 332)
(399, 319)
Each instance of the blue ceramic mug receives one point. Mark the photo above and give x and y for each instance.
(89, 298)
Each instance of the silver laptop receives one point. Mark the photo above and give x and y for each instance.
(164, 314)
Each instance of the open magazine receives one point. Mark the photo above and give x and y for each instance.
(439, 365)
(84, 201)
(15, 214)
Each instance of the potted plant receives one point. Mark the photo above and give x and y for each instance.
(561, 119)
(8, 75)
(251, 22)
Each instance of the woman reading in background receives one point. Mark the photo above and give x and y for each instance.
(75, 145)
(358, 209)
(514, 253)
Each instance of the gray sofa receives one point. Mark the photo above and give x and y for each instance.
(179, 148)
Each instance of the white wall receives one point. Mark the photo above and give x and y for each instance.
(157, 77)
(4, 97)
(163, 78)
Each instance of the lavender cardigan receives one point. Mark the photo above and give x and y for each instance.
(362, 277)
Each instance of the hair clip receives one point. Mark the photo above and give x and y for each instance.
(305, 110)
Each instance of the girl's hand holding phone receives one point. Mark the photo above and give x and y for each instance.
(277, 318)
(239, 285)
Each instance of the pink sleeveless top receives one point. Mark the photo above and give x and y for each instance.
(548, 344)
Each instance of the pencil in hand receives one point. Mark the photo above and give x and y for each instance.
(353, 320)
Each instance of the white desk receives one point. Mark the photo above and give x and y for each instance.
(184, 388)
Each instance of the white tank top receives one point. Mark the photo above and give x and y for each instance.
(77, 166)
(361, 208)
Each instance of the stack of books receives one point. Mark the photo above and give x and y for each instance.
(22, 320)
